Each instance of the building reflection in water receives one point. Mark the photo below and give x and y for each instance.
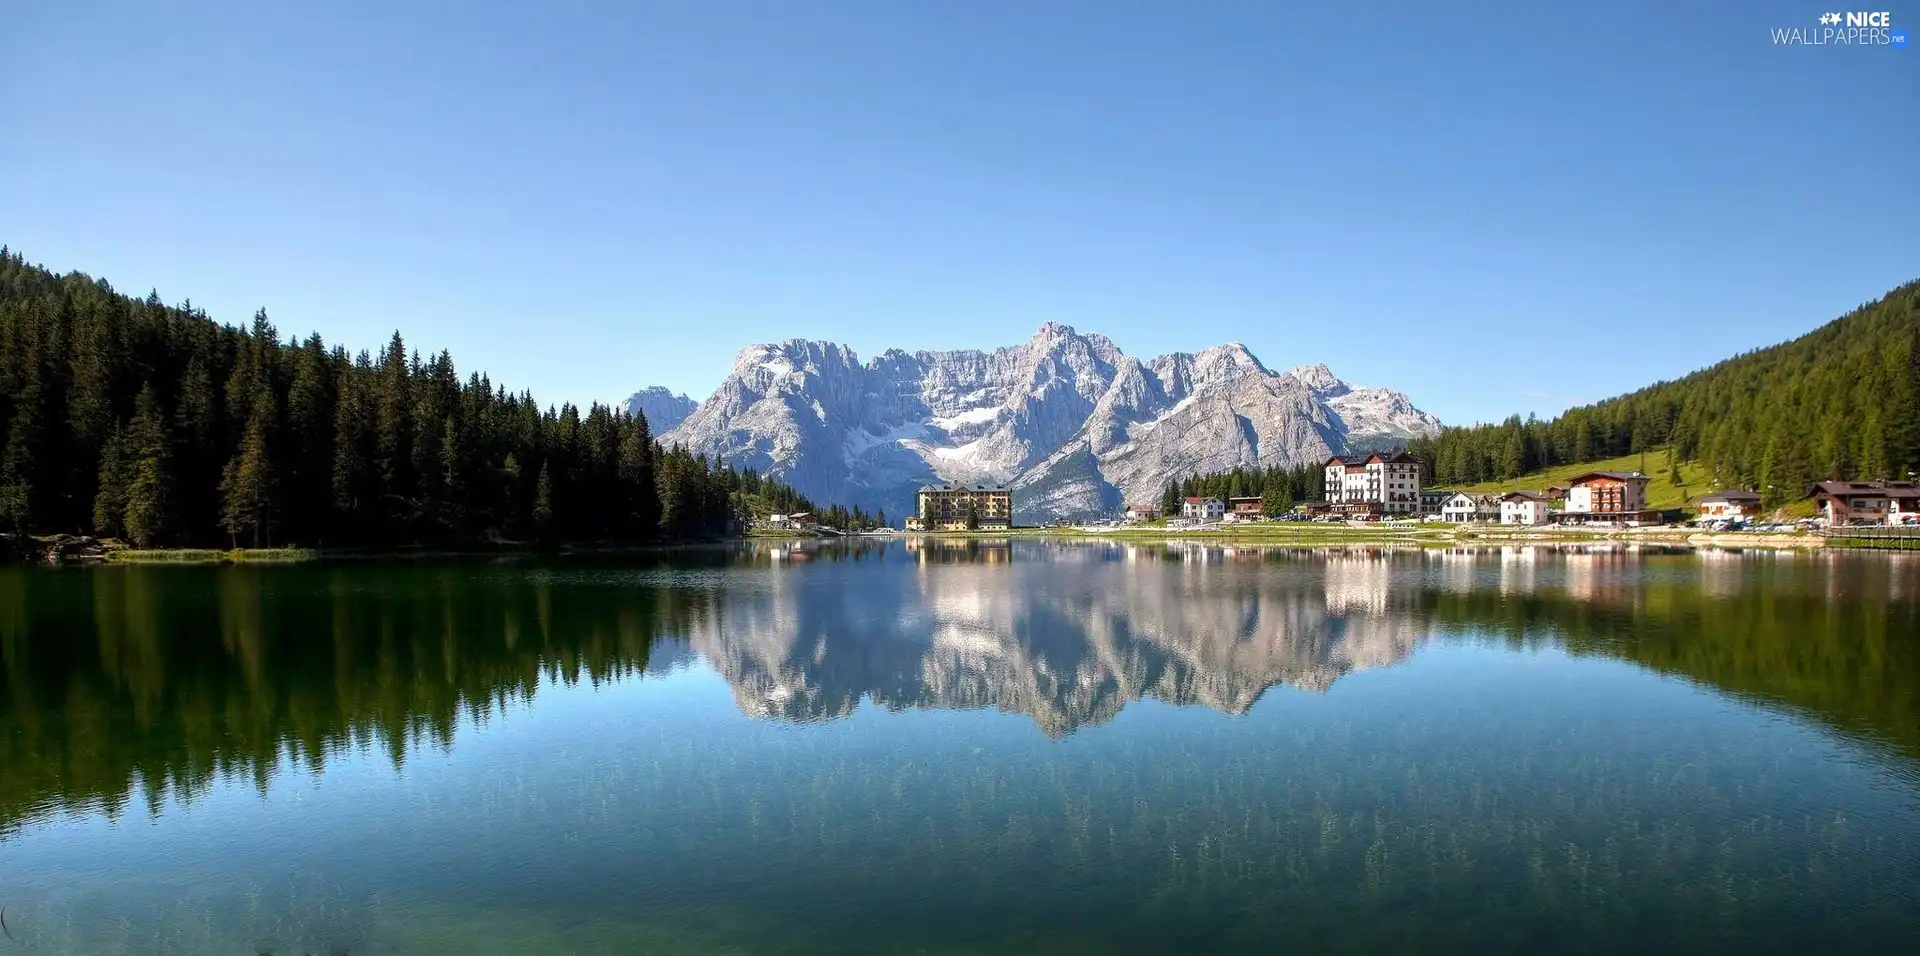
(166, 677)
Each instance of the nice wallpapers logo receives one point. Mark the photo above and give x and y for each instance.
(1860, 28)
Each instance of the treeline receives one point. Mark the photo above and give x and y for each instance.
(130, 418)
(1278, 489)
(1842, 401)
(856, 519)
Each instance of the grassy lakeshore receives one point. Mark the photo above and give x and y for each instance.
(1428, 534)
(1695, 481)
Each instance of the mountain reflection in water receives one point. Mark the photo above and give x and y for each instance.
(120, 682)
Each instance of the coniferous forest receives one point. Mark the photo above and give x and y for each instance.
(1278, 489)
(1841, 402)
(129, 418)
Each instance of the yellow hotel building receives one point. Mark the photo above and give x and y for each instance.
(947, 507)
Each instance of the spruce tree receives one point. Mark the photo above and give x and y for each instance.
(1872, 457)
(543, 504)
(1513, 458)
(637, 477)
(393, 430)
(354, 485)
(110, 496)
(248, 488)
(149, 483)
(310, 435)
(1903, 412)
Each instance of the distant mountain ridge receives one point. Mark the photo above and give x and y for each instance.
(1075, 425)
(664, 409)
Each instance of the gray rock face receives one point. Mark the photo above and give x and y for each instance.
(664, 410)
(1074, 424)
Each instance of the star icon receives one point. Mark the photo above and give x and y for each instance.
(1828, 19)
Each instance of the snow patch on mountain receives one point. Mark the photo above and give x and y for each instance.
(1076, 426)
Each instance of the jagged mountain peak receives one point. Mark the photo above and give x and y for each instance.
(1074, 423)
(1226, 363)
(664, 408)
(1318, 377)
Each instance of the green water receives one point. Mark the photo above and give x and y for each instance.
(967, 749)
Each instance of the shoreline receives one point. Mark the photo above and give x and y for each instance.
(1425, 537)
(1251, 536)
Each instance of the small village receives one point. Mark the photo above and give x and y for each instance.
(1387, 488)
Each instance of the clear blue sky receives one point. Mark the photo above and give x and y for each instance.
(585, 198)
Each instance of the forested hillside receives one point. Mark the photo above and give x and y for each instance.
(1842, 401)
(131, 418)
(1278, 489)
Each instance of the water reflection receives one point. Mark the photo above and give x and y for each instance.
(124, 685)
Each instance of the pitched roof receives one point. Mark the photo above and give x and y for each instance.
(949, 486)
(1336, 460)
(1196, 501)
(1615, 475)
(1731, 494)
(1523, 495)
(1845, 488)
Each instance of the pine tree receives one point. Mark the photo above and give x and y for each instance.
(1513, 458)
(198, 427)
(310, 435)
(110, 498)
(1903, 411)
(636, 475)
(149, 481)
(393, 430)
(353, 481)
(543, 504)
(1276, 498)
(1872, 456)
(248, 488)
(454, 450)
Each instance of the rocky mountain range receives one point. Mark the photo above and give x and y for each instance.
(1076, 426)
(664, 409)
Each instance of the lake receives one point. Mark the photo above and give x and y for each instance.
(953, 747)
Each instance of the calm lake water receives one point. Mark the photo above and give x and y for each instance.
(967, 749)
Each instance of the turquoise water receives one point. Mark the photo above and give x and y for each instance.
(1035, 748)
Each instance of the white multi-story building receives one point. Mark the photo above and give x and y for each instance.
(1609, 497)
(1463, 507)
(1523, 507)
(1377, 484)
(1203, 509)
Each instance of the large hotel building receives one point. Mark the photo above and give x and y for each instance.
(1376, 484)
(951, 507)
